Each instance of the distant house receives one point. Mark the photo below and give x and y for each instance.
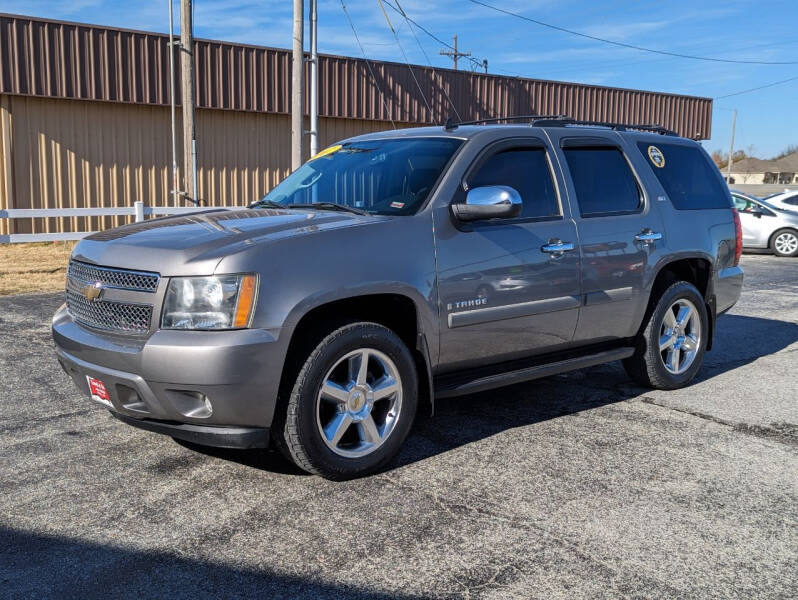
(754, 170)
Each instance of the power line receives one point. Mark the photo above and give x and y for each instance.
(477, 62)
(368, 64)
(407, 62)
(424, 52)
(761, 87)
(629, 46)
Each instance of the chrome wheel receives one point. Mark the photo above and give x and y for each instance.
(786, 243)
(358, 404)
(680, 336)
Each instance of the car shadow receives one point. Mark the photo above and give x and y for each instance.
(37, 565)
(739, 340)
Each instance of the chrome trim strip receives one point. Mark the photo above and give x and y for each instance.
(512, 311)
(605, 296)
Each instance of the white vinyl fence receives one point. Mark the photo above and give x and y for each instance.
(138, 210)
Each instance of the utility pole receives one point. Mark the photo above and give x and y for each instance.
(297, 85)
(175, 172)
(731, 149)
(455, 54)
(314, 79)
(187, 81)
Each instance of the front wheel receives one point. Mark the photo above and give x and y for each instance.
(353, 403)
(672, 345)
(785, 242)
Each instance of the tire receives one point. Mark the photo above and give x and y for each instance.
(684, 340)
(785, 242)
(330, 432)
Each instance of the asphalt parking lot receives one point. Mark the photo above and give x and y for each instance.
(581, 485)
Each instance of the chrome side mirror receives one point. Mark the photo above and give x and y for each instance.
(489, 202)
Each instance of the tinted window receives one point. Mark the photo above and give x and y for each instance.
(527, 171)
(392, 176)
(793, 201)
(687, 176)
(603, 180)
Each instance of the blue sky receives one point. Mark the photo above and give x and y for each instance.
(739, 29)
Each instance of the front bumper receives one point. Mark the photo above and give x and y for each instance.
(168, 382)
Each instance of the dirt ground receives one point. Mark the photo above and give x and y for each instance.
(28, 268)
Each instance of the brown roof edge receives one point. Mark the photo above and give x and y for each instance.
(63, 59)
(343, 57)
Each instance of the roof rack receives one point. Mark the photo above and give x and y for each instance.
(449, 125)
(565, 121)
(562, 121)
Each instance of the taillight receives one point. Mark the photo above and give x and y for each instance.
(738, 232)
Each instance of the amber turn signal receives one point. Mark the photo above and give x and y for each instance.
(246, 301)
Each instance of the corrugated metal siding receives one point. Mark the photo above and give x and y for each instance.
(69, 60)
(74, 154)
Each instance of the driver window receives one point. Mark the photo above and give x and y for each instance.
(527, 171)
(745, 206)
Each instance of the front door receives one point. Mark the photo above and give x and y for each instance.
(506, 288)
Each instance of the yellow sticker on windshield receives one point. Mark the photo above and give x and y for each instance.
(656, 156)
(326, 151)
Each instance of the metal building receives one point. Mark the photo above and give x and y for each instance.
(84, 118)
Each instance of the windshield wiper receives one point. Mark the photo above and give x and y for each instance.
(267, 204)
(330, 206)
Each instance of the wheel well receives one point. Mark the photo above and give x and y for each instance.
(773, 235)
(394, 311)
(693, 270)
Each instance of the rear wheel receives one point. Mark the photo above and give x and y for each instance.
(672, 345)
(352, 404)
(785, 242)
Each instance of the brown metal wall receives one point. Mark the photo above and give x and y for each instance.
(77, 154)
(69, 60)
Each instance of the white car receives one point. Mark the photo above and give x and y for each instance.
(787, 200)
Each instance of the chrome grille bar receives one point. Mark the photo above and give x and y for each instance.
(141, 281)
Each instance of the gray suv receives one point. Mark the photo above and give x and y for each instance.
(397, 268)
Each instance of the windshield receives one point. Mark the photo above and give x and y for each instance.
(388, 177)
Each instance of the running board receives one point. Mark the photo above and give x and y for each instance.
(480, 384)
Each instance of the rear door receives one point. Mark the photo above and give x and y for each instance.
(620, 230)
(502, 294)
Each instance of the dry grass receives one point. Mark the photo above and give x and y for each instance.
(30, 268)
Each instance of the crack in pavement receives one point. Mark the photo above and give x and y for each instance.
(786, 433)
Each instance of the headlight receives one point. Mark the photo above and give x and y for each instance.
(218, 302)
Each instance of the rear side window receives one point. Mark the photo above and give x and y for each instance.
(527, 171)
(686, 175)
(603, 180)
(792, 201)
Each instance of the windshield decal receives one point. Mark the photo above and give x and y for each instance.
(326, 151)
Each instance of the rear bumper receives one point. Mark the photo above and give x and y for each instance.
(220, 437)
(728, 286)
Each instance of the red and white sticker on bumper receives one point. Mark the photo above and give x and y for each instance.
(98, 391)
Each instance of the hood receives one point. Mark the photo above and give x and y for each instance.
(194, 244)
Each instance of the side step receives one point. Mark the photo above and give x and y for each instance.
(463, 386)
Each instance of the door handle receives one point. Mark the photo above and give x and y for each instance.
(557, 247)
(647, 236)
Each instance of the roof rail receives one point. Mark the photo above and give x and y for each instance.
(450, 125)
(565, 121)
(562, 121)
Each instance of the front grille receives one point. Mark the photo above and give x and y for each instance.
(109, 314)
(117, 278)
(113, 316)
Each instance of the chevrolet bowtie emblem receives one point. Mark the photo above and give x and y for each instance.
(93, 291)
